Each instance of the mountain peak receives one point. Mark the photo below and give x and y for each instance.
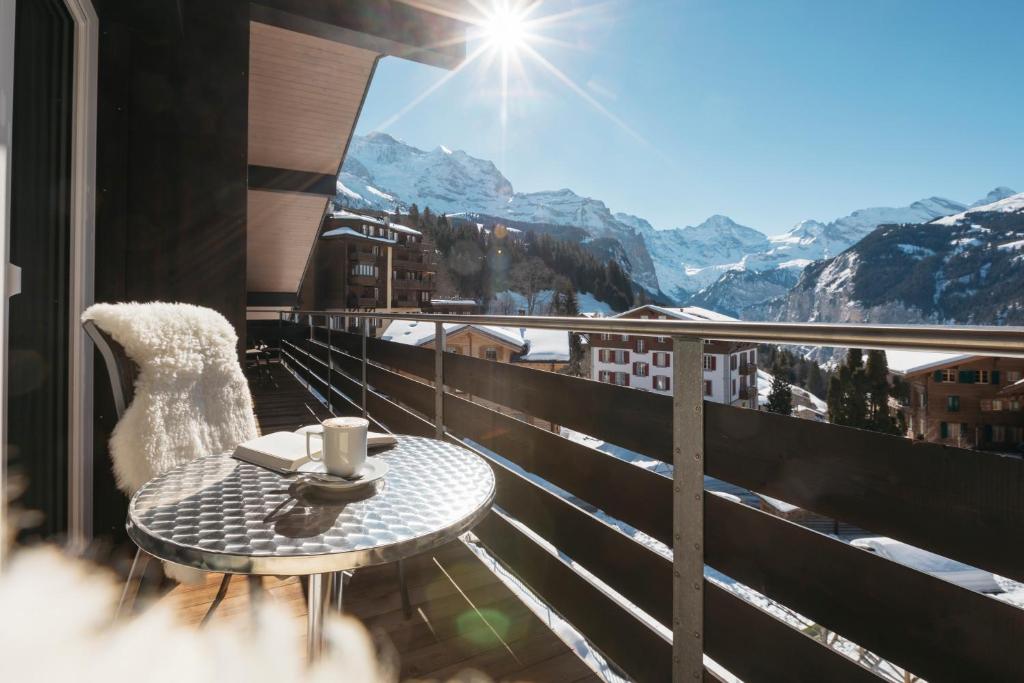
(1001, 192)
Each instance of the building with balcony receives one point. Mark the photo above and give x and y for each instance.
(361, 261)
(962, 400)
(730, 368)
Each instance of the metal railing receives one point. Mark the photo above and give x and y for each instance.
(688, 408)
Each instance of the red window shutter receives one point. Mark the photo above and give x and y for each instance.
(626, 377)
(714, 362)
(666, 383)
(707, 387)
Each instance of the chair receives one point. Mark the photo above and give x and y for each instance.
(122, 372)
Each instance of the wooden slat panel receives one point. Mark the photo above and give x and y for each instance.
(280, 233)
(641, 575)
(637, 496)
(933, 628)
(642, 653)
(958, 503)
(635, 419)
(304, 95)
(755, 646)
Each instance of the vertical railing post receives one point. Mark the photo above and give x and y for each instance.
(439, 344)
(330, 365)
(687, 509)
(366, 333)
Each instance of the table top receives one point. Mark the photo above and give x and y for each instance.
(224, 515)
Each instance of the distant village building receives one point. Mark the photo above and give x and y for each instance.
(963, 400)
(645, 362)
(365, 262)
(532, 348)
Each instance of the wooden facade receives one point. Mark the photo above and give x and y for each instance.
(960, 403)
(365, 262)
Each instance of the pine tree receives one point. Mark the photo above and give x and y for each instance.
(572, 303)
(877, 381)
(816, 380)
(414, 215)
(780, 399)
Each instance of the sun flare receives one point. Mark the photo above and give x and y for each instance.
(505, 28)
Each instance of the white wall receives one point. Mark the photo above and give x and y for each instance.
(721, 377)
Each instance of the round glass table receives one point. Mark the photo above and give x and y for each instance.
(219, 514)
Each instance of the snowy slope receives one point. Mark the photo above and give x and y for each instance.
(381, 172)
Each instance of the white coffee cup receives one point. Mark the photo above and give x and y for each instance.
(344, 445)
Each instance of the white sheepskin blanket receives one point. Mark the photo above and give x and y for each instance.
(191, 397)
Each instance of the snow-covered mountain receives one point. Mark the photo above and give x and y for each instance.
(381, 172)
(963, 268)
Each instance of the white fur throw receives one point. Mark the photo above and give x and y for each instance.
(191, 397)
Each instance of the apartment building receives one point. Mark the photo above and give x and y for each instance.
(730, 368)
(363, 261)
(962, 400)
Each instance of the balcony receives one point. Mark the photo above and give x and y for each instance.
(748, 368)
(790, 592)
(403, 284)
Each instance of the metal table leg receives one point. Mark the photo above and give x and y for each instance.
(315, 605)
(337, 589)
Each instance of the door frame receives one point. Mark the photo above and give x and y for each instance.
(82, 275)
(7, 284)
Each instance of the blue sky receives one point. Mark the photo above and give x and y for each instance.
(768, 112)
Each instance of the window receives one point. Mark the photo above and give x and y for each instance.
(364, 270)
(640, 369)
(454, 349)
(734, 382)
(948, 375)
(620, 357)
(606, 337)
(981, 377)
(733, 361)
(424, 296)
(987, 404)
(1016, 434)
(491, 353)
(661, 382)
(707, 387)
(619, 378)
(602, 376)
(750, 358)
(998, 434)
(923, 400)
(1012, 376)
(710, 362)
(640, 345)
(953, 404)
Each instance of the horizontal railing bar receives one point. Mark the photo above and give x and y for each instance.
(995, 340)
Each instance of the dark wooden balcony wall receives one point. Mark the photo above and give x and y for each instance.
(958, 503)
(170, 173)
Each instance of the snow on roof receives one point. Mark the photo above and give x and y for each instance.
(546, 345)
(906, 362)
(350, 215)
(777, 504)
(695, 313)
(1013, 389)
(936, 565)
(349, 232)
(449, 302)
(764, 388)
(535, 345)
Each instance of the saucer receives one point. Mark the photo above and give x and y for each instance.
(317, 475)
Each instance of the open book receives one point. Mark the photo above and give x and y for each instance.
(373, 439)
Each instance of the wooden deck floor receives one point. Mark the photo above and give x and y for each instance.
(464, 617)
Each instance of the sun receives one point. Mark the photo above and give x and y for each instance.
(505, 28)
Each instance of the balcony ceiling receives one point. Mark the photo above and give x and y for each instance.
(310, 65)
